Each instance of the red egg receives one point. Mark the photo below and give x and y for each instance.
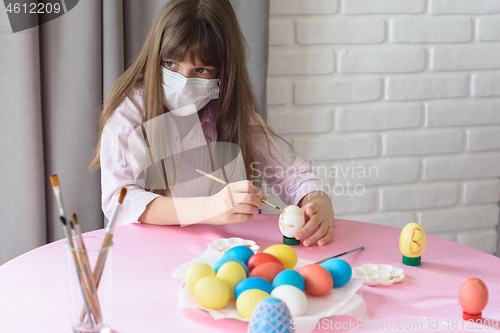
(473, 296)
(260, 258)
(267, 270)
(318, 281)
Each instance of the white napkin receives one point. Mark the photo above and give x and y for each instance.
(340, 301)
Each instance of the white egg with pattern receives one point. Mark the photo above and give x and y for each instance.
(291, 219)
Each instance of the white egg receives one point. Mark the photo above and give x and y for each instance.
(293, 297)
(291, 220)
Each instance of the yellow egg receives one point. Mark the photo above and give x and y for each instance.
(231, 273)
(247, 301)
(211, 292)
(285, 254)
(196, 272)
(412, 241)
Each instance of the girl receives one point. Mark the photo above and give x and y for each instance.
(193, 65)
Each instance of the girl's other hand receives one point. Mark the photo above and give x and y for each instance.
(319, 218)
(236, 202)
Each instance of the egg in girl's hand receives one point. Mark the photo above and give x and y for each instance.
(231, 273)
(240, 252)
(473, 297)
(212, 292)
(253, 283)
(294, 298)
(260, 258)
(291, 220)
(285, 254)
(318, 281)
(267, 270)
(246, 302)
(195, 272)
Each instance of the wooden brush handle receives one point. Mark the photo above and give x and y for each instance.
(87, 271)
(86, 289)
(99, 266)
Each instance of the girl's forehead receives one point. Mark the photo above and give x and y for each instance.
(188, 58)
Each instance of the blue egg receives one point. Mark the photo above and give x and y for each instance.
(271, 315)
(224, 260)
(339, 269)
(241, 252)
(291, 277)
(253, 283)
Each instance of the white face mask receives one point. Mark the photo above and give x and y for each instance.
(180, 92)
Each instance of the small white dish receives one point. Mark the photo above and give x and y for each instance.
(384, 275)
(224, 244)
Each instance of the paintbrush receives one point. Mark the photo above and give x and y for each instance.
(340, 254)
(84, 259)
(108, 238)
(87, 297)
(226, 183)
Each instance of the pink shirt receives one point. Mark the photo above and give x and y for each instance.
(289, 174)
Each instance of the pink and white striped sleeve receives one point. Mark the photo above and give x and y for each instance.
(116, 164)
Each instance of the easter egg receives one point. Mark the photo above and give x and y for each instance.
(318, 281)
(224, 260)
(231, 273)
(240, 252)
(339, 269)
(260, 258)
(246, 302)
(412, 243)
(253, 283)
(285, 254)
(473, 296)
(196, 272)
(294, 298)
(267, 270)
(211, 292)
(291, 277)
(271, 315)
(291, 220)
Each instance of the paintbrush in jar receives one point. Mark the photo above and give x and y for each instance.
(84, 259)
(108, 238)
(67, 233)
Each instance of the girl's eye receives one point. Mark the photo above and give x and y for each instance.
(170, 64)
(202, 70)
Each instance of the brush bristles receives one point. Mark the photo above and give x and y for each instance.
(63, 220)
(123, 192)
(75, 218)
(54, 180)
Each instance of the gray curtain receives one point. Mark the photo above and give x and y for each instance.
(53, 79)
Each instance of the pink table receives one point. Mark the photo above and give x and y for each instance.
(33, 286)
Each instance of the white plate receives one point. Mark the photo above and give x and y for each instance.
(224, 244)
(383, 274)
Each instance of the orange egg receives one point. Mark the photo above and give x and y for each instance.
(473, 296)
(318, 281)
(260, 258)
(267, 270)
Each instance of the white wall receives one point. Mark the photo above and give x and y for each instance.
(410, 88)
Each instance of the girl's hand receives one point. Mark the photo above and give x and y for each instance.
(236, 202)
(319, 218)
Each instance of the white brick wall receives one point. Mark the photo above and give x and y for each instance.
(441, 30)
(485, 85)
(400, 99)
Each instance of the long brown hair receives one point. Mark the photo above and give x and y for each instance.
(208, 29)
